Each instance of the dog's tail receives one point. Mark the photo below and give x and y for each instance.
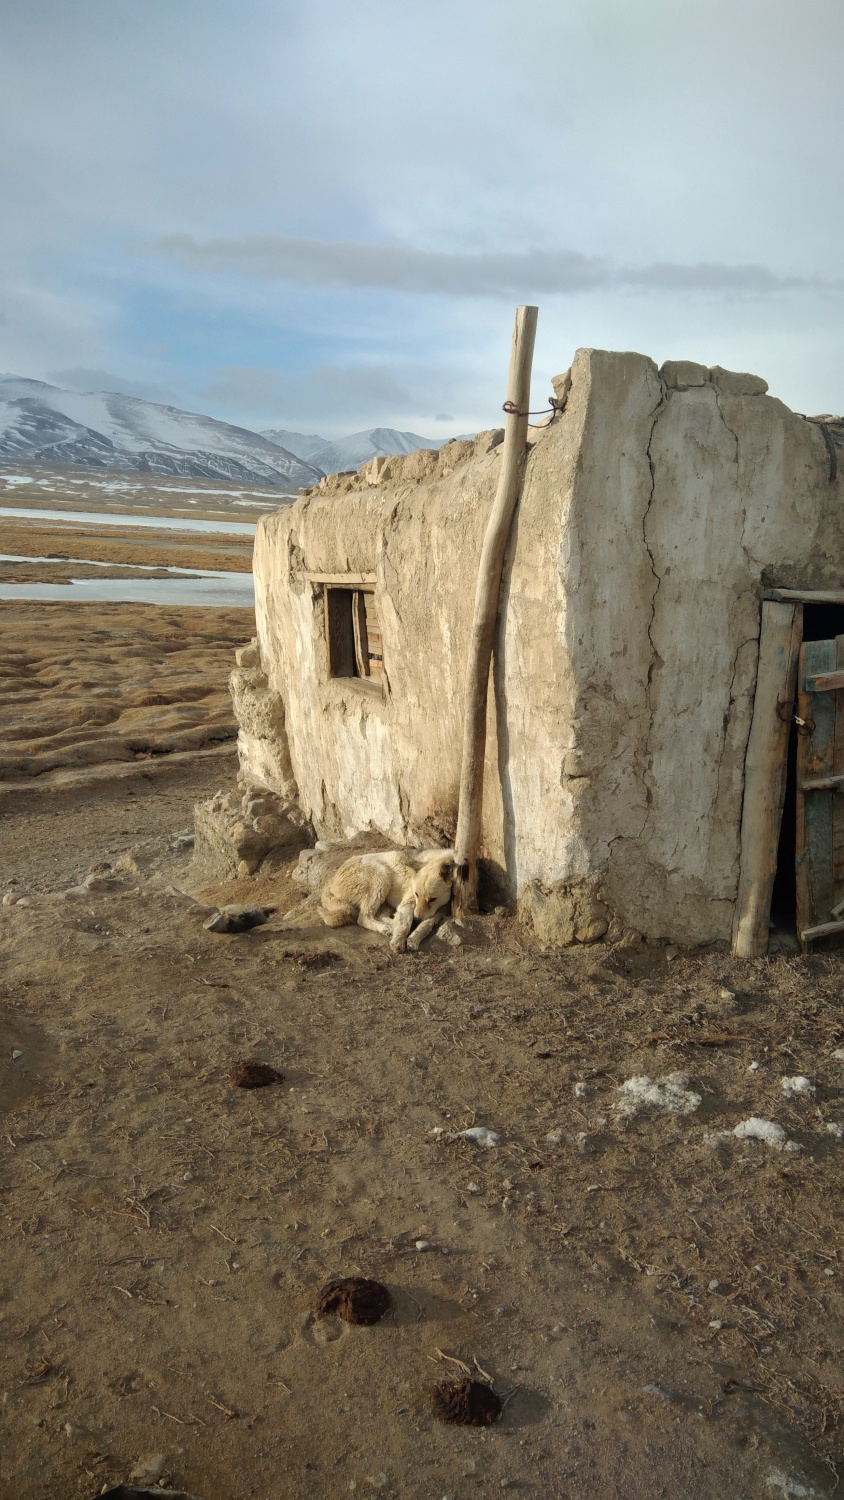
(335, 912)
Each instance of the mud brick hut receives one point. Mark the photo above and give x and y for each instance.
(676, 563)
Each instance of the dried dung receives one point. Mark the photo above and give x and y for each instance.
(467, 1402)
(254, 1075)
(356, 1299)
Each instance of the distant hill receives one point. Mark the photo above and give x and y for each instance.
(350, 452)
(41, 423)
(303, 444)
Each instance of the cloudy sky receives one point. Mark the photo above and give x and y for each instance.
(321, 214)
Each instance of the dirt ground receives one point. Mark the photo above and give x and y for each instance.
(658, 1302)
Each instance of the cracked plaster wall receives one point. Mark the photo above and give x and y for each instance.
(652, 513)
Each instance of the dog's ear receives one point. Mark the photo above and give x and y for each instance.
(447, 870)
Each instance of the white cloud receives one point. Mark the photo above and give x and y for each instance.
(78, 378)
(404, 268)
(655, 175)
(322, 394)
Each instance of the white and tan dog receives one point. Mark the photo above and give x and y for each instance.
(415, 883)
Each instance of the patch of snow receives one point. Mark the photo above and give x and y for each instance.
(794, 1087)
(773, 1135)
(789, 1487)
(481, 1136)
(839, 1054)
(478, 1134)
(836, 1130)
(671, 1093)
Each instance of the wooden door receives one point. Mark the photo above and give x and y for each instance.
(820, 791)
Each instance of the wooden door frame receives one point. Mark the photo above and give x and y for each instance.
(766, 762)
(820, 816)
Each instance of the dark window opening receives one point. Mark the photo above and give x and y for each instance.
(353, 632)
(821, 622)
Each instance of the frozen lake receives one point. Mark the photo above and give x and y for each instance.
(100, 518)
(217, 589)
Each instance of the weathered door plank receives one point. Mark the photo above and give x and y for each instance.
(837, 768)
(815, 760)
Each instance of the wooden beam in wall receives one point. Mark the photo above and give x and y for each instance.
(764, 774)
(806, 596)
(344, 580)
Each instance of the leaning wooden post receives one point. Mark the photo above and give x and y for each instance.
(780, 638)
(470, 807)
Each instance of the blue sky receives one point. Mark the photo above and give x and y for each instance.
(321, 215)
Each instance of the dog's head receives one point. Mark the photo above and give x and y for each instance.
(432, 887)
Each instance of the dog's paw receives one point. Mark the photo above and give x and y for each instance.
(398, 945)
(413, 943)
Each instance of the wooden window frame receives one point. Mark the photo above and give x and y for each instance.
(347, 599)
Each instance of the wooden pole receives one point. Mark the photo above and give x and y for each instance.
(764, 774)
(470, 807)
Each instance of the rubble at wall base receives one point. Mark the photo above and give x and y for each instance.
(239, 832)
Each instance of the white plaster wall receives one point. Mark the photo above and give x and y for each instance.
(360, 762)
(652, 514)
(741, 495)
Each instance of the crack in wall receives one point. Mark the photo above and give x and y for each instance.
(655, 657)
(735, 438)
(751, 640)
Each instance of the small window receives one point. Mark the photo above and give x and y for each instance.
(353, 631)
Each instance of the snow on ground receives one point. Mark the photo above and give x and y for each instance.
(793, 1088)
(772, 1134)
(671, 1092)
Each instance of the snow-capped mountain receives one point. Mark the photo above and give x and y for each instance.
(43, 424)
(350, 452)
(305, 445)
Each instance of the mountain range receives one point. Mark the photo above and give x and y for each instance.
(43, 424)
(349, 452)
